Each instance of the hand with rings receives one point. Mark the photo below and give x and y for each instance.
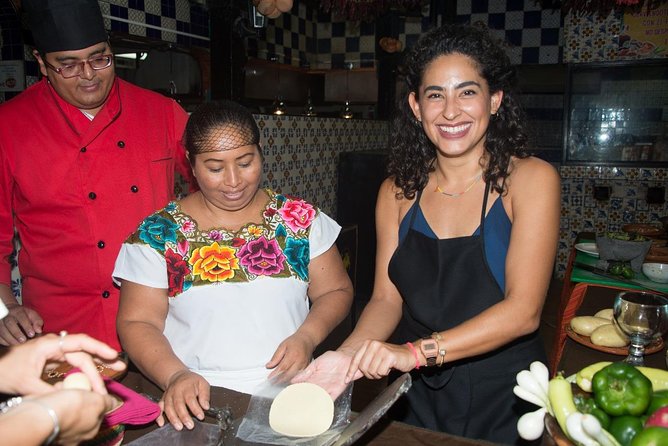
(21, 367)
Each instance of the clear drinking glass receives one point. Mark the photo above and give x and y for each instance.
(643, 317)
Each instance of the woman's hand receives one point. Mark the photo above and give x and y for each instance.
(292, 355)
(80, 413)
(329, 372)
(375, 359)
(22, 366)
(20, 324)
(186, 393)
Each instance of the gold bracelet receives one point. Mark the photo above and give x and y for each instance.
(441, 351)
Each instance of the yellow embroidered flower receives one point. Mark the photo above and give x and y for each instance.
(214, 263)
(255, 231)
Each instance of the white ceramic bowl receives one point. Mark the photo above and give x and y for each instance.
(656, 272)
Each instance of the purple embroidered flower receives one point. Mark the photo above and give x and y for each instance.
(215, 235)
(262, 257)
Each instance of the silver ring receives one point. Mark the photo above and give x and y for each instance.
(62, 335)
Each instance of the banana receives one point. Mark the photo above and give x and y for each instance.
(658, 377)
(560, 395)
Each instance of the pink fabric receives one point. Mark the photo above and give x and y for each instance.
(135, 410)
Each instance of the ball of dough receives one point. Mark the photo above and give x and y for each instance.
(77, 380)
(301, 410)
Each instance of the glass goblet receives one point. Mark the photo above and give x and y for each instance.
(643, 317)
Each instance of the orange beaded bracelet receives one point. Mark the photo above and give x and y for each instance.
(411, 347)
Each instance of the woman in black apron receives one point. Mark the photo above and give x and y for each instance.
(467, 226)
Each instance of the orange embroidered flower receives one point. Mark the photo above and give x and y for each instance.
(255, 231)
(214, 263)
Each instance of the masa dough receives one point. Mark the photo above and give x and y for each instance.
(301, 410)
(76, 380)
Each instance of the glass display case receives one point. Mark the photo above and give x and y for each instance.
(617, 113)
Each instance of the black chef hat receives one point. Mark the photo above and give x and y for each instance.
(65, 25)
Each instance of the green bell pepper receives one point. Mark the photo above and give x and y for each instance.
(625, 428)
(651, 436)
(621, 389)
(587, 404)
(659, 400)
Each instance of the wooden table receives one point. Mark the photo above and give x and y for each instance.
(385, 432)
(577, 282)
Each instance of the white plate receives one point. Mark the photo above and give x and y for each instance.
(587, 248)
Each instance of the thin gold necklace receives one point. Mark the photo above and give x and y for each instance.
(457, 194)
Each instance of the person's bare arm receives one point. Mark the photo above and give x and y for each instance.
(381, 315)
(140, 323)
(331, 294)
(383, 311)
(21, 323)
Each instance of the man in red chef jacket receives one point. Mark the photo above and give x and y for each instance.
(84, 157)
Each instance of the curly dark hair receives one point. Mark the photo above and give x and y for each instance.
(220, 125)
(412, 153)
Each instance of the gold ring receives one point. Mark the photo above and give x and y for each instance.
(62, 335)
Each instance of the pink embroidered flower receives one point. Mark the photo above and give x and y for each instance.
(215, 235)
(262, 257)
(297, 214)
(182, 247)
(187, 227)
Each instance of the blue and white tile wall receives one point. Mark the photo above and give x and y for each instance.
(301, 153)
(178, 21)
(534, 35)
(627, 203)
(311, 37)
(603, 39)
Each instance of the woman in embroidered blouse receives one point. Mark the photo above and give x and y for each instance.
(215, 288)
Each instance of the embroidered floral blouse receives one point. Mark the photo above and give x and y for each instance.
(248, 285)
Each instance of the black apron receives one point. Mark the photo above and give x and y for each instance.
(444, 282)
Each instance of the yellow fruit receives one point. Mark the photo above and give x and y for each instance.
(658, 377)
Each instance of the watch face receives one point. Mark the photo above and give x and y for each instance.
(430, 346)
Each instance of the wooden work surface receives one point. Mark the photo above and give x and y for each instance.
(385, 432)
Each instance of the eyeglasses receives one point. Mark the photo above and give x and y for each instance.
(75, 69)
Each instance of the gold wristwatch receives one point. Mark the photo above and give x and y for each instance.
(429, 348)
